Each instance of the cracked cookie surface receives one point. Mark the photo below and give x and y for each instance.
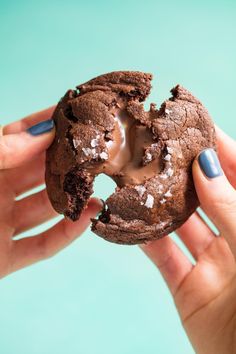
(102, 127)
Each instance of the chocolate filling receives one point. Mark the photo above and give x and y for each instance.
(127, 163)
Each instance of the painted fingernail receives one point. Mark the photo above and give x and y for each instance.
(41, 128)
(209, 163)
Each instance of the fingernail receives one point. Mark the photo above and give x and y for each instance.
(41, 128)
(209, 163)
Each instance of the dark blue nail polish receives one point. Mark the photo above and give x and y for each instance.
(41, 128)
(209, 163)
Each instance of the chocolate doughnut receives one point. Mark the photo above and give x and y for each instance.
(102, 127)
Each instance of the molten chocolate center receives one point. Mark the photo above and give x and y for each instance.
(126, 152)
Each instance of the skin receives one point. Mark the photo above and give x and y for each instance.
(22, 160)
(205, 292)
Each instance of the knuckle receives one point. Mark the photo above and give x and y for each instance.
(42, 248)
(225, 204)
(2, 155)
(43, 198)
(67, 235)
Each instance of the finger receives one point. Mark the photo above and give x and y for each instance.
(29, 250)
(217, 196)
(213, 272)
(16, 149)
(196, 235)
(170, 260)
(32, 174)
(226, 145)
(27, 122)
(31, 211)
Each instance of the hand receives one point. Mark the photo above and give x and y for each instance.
(22, 157)
(205, 293)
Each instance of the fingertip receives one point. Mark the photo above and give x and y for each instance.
(206, 166)
(212, 186)
(95, 205)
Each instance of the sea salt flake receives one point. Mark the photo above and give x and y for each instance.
(76, 143)
(94, 153)
(155, 145)
(87, 151)
(90, 152)
(170, 172)
(104, 155)
(168, 194)
(163, 200)
(149, 201)
(167, 111)
(162, 224)
(140, 189)
(167, 157)
(95, 142)
(164, 176)
(160, 189)
(169, 150)
(148, 157)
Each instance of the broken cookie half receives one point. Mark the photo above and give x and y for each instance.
(102, 127)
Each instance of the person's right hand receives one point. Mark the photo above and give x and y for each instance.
(205, 292)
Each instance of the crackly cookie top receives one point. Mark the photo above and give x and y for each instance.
(102, 127)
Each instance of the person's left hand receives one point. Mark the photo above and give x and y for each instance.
(22, 159)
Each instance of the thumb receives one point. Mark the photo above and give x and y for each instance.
(217, 196)
(16, 149)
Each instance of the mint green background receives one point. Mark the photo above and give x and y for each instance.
(96, 297)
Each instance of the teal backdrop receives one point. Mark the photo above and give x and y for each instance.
(96, 297)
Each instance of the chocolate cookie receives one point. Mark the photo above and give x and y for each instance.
(102, 127)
